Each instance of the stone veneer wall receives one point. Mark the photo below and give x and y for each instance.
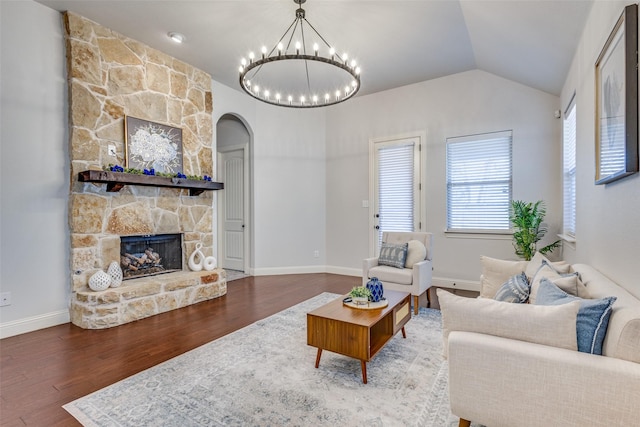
(110, 76)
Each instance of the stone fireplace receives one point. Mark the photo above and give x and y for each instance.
(110, 76)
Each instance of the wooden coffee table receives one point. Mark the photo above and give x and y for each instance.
(357, 333)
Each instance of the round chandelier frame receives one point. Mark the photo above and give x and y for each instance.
(310, 99)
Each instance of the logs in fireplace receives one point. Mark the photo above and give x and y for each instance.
(150, 254)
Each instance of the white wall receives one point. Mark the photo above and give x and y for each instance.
(288, 182)
(34, 244)
(462, 104)
(607, 224)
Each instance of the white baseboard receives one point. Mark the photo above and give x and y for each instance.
(275, 271)
(345, 271)
(446, 282)
(30, 324)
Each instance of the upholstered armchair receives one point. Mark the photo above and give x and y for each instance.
(414, 276)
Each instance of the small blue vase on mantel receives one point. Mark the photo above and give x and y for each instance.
(375, 287)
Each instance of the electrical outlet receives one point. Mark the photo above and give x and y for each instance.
(5, 299)
(316, 254)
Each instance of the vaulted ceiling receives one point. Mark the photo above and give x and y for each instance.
(395, 42)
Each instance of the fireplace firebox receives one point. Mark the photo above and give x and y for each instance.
(149, 255)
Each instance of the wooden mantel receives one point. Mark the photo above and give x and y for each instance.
(116, 180)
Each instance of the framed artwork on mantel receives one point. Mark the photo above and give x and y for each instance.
(150, 145)
(617, 101)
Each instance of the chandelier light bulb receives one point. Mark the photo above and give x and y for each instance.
(353, 63)
(266, 94)
(337, 94)
(241, 69)
(315, 99)
(346, 90)
(315, 48)
(302, 99)
(297, 48)
(243, 62)
(263, 51)
(357, 70)
(280, 47)
(345, 57)
(278, 97)
(256, 88)
(251, 56)
(290, 99)
(326, 97)
(332, 52)
(353, 83)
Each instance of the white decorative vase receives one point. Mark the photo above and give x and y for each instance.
(193, 265)
(210, 263)
(115, 272)
(99, 281)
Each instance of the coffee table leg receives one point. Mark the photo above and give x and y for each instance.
(404, 334)
(318, 358)
(363, 364)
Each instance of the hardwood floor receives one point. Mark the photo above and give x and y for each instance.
(42, 370)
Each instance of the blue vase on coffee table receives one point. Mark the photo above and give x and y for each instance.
(375, 287)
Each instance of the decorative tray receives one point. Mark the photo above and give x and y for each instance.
(368, 306)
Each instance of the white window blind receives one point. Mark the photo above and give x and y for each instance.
(569, 170)
(395, 188)
(479, 182)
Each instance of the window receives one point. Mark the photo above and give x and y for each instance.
(479, 182)
(569, 171)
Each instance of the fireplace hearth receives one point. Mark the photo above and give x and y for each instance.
(149, 255)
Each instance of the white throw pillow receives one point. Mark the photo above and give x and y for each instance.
(567, 282)
(524, 322)
(416, 252)
(495, 272)
(561, 267)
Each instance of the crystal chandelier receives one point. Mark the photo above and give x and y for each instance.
(292, 74)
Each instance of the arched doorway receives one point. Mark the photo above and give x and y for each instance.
(234, 203)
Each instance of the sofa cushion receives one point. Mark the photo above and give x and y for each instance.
(416, 252)
(566, 282)
(515, 290)
(561, 267)
(548, 325)
(592, 319)
(393, 255)
(495, 272)
(384, 273)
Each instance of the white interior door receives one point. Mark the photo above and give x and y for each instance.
(396, 187)
(233, 210)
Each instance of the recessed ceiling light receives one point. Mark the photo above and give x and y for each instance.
(176, 37)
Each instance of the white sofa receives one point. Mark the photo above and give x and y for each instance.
(497, 381)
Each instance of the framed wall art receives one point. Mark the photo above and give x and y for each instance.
(617, 101)
(150, 145)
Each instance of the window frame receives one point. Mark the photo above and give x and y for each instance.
(569, 231)
(487, 138)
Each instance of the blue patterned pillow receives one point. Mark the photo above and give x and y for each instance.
(393, 255)
(516, 289)
(593, 315)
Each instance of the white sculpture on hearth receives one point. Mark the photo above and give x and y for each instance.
(193, 265)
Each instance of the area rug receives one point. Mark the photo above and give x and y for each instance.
(264, 375)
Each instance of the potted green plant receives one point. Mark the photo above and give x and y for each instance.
(360, 294)
(529, 229)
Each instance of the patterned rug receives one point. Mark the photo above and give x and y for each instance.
(264, 375)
